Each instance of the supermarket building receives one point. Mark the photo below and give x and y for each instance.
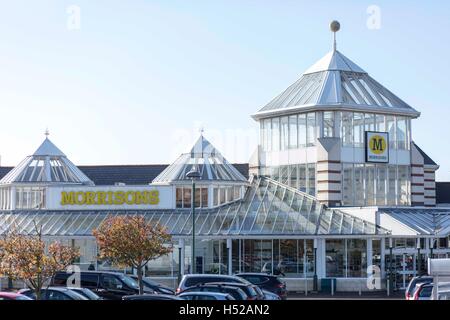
(337, 184)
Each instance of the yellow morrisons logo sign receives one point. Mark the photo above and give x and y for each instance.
(109, 197)
(377, 144)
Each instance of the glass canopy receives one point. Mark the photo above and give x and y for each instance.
(268, 208)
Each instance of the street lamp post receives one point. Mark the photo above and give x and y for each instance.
(390, 267)
(315, 280)
(193, 174)
(431, 247)
(419, 259)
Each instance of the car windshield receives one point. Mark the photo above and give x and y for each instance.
(151, 282)
(129, 281)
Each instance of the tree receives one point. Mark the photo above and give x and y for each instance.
(132, 242)
(25, 257)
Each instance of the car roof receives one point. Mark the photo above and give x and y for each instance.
(255, 274)
(200, 275)
(96, 272)
(202, 293)
(62, 289)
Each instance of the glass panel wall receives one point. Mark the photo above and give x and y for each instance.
(293, 134)
(284, 133)
(183, 197)
(299, 176)
(311, 129)
(328, 124)
(380, 184)
(346, 258)
(302, 130)
(347, 129)
(30, 198)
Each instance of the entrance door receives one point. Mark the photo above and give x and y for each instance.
(405, 266)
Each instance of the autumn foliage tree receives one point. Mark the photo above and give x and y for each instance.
(26, 257)
(132, 242)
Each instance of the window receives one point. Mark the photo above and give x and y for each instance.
(293, 176)
(284, 133)
(311, 129)
(302, 177)
(275, 134)
(111, 282)
(390, 128)
(302, 130)
(312, 179)
(370, 184)
(380, 123)
(403, 185)
(293, 134)
(359, 185)
(328, 124)
(391, 191)
(381, 181)
(179, 197)
(401, 134)
(356, 258)
(215, 197)
(347, 129)
(30, 198)
(347, 184)
(358, 129)
(187, 197)
(204, 197)
(268, 134)
(369, 122)
(335, 257)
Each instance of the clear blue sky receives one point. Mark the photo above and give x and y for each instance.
(138, 79)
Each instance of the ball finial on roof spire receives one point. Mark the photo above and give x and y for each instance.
(335, 26)
(47, 133)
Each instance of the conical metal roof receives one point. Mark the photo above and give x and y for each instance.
(336, 82)
(211, 165)
(47, 164)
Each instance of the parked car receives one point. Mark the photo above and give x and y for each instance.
(205, 296)
(190, 280)
(151, 297)
(270, 295)
(249, 289)
(13, 296)
(88, 293)
(235, 292)
(266, 282)
(423, 291)
(108, 285)
(409, 292)
(153, 285)
(54, 293)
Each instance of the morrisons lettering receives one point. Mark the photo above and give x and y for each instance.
(109, 197)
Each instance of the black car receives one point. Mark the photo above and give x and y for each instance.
(236, 292)
(54, 293)
(266, 282)
(155, 286)
(249, 289)
(108, 285)
(151, 297)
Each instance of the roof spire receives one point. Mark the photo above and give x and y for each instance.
(47, 133)
(335, 26)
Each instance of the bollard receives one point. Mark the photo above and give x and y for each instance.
(332, 287)
(306, 287)
(387, 287)
(360, 289)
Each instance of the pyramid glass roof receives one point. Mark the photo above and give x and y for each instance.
(47, 164)
(207, 160)
(336, 82)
